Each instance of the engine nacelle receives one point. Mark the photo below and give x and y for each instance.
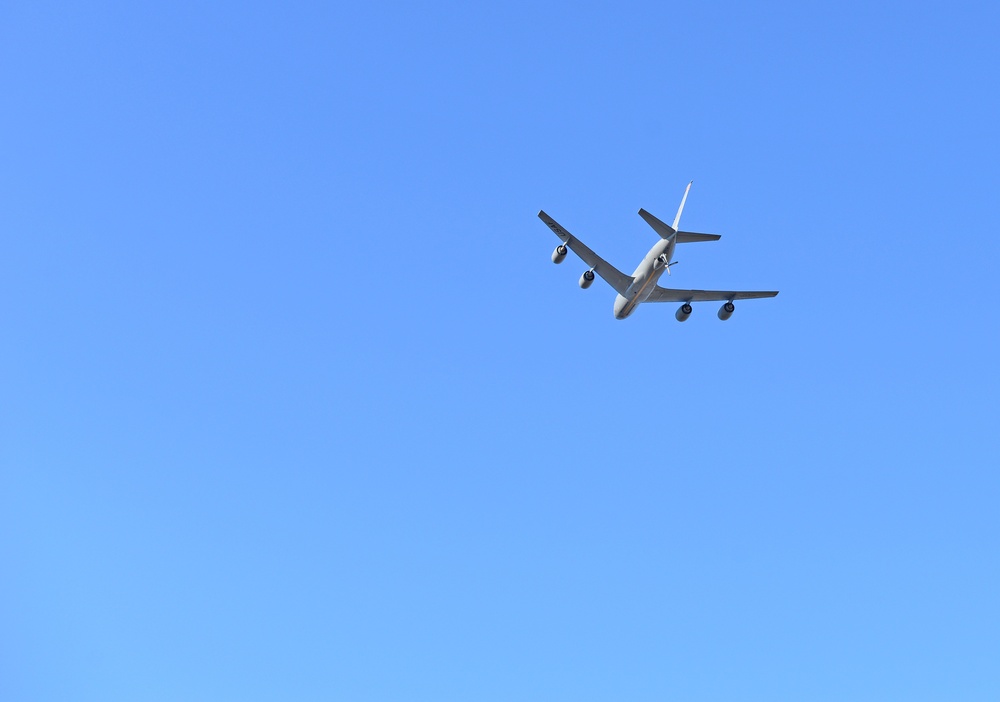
(587, 279)
(726, 311)
(559, 253)
(683, 312)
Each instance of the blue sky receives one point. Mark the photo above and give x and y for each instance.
(295, 405)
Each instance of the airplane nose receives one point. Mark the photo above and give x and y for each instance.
(620, 303)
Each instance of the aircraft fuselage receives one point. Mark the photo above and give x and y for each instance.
(646, 275)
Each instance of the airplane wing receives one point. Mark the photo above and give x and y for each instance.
(669, 295)
(615, 278)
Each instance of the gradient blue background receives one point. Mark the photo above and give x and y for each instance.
(294, 405)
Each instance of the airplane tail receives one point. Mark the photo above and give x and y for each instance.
(666, 231)
(660, 227)
(677, 219)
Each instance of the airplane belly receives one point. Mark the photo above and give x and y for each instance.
(647, 286)
(643, 293)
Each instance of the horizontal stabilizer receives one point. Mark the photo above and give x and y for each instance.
(688, 237)
(666, 231)
(661, 228)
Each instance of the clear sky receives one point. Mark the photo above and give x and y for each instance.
(296, 407)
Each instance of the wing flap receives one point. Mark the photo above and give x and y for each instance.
(614, 277)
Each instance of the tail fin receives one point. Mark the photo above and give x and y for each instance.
(677, 219)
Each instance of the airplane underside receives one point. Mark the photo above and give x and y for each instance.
(642, 286)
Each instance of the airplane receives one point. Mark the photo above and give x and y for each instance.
(641, 285)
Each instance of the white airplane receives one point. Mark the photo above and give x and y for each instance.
(641, 285)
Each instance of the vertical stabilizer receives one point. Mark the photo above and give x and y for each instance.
(677, 219)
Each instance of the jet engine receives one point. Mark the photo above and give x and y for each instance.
(726, 311)
(683, 312)
(586, 279)
(559, 254)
